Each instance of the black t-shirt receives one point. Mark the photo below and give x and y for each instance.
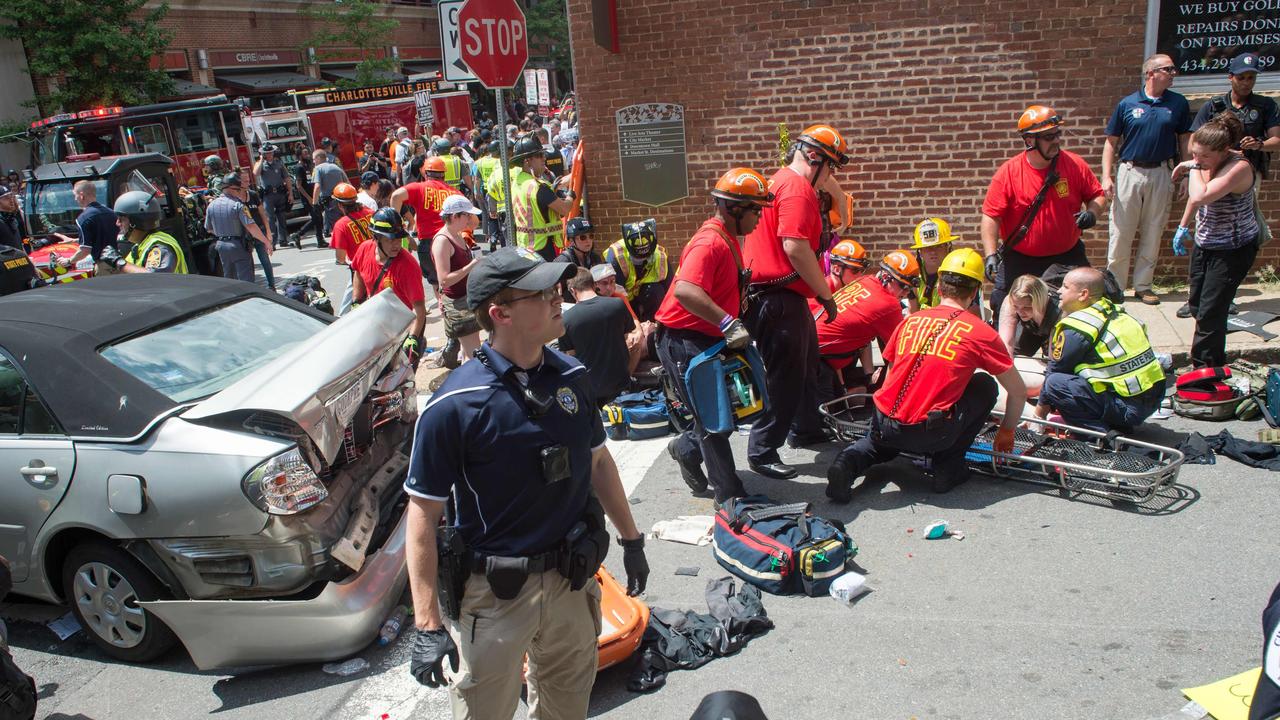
(545, 197)
(555, 163)
(596, 331)
(1259, 114)
(8, 236)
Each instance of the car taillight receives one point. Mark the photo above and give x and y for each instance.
(284, 485)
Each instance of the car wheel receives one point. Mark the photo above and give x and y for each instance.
(104, 585)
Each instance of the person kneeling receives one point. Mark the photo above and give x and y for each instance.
(1103, 374)
(932, 402)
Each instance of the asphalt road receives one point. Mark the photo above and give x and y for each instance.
(1051, 607)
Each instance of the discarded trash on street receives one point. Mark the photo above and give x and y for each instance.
(1222, 698)
(688, 529)
(848, 587)
(391, 628)
(936, 530)
(689, 570)
(346, 668)
(65, 626)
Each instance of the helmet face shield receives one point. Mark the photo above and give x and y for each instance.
(640, 238)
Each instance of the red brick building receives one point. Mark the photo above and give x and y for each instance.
(927, 92)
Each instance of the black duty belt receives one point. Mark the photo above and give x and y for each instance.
(1145, 165)
(230, 238)
(544, 562)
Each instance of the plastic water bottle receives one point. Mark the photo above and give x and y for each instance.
(391, 628)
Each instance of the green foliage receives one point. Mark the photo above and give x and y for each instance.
(784, 143)
(361, 24)
(100, 53)
(548, 25)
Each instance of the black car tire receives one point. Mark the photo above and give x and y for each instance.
(117, 581)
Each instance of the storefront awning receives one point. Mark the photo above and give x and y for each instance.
(421, 68)
(183, 88)
(276, 81)
(349, 73)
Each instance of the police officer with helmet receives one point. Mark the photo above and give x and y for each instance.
(932, 401)
(213, 170)
(138, 215)
(229, 221)
(536, 205)
(641, 266)
(512, 444)
(701, 309)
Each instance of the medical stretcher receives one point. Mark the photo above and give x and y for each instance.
(1070, 458)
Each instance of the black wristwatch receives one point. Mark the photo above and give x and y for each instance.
(637, 542)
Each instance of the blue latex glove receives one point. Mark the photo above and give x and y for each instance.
(1179, 241)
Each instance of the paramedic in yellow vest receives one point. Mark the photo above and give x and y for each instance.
(138, 215)
(1103, 374)
(641, 265)
(933, 240)
(536, 205)
(457, 172)
(490, 192)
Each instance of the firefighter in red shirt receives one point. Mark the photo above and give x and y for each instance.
(700, 309)
(782, 253)
(932, 401)
(868, 308)
(848, 260)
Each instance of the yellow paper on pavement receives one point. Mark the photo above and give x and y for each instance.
(1227, 699)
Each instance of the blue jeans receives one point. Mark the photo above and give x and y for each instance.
(265, 260)
(1082, 406)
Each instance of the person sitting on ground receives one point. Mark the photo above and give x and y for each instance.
(606, 285)
(868, 308)
(1103, 374)
(595, 332)
(580, 251)
(641, 266)
(1028, 317)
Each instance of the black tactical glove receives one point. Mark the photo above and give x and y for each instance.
(634, 562)
(1085, 219)
(991, 265)
(111, 257)
(430, 648)
(829, 308)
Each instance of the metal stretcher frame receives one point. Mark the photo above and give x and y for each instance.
(1106, 465)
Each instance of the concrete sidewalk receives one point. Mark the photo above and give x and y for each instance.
(1172, 334)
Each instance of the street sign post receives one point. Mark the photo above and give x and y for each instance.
(455, 70)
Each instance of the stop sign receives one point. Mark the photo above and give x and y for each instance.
(494, 42)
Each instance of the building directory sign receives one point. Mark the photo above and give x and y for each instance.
(652, 153)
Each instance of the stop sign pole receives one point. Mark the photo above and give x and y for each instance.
(494, 43)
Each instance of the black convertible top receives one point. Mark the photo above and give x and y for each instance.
(53, 333)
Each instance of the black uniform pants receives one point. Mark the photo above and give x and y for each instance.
(1215, 277)
(1016, 265)
(787, 339)
(276, 205)
(944, 440)
(675, 349)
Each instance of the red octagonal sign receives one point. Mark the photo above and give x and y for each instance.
(493, 41)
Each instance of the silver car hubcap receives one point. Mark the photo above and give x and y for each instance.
(109, 605)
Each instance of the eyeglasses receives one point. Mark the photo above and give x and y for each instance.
(544, 295)
(1049, 136)
(1167, 70)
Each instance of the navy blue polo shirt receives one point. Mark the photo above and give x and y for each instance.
(97, 228)
(475, 439)
(1149, 128)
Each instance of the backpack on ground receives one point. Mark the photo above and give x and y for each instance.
(307, 290)
(781, 549)
(636, 416)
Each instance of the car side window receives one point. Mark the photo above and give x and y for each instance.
(21, 410)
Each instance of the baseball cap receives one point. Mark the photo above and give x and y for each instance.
(1243, 63)
(602, 271)
(512, 267)
(368, 177)
(402, 131)
(455, 204)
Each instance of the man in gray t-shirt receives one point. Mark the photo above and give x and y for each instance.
(325, 178)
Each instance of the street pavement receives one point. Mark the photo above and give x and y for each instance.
(1051, 607)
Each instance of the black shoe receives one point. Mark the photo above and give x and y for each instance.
(690, 472)
(1185, 311)
(1231, 309)
(943, 484)
(322, 244)
(839, 484)
(297, 241)
(815, 438)
(777, 470)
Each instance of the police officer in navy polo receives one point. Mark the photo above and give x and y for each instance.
(512, 445)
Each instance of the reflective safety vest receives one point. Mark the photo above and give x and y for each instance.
(138, 255)
(1127, 365)
(485, 167)
(453, 171)
(655, 270)
(925, 295)
(533, 229)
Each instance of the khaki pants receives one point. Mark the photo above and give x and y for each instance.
(557, 627)
(1141, 206)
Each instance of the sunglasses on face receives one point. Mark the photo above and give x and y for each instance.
(1167, 70)
(1050, 136)
(544, 295)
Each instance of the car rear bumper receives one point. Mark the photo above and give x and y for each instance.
(337, 623)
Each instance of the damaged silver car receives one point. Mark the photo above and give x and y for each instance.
(196, 459)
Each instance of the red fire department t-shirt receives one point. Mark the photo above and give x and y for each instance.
(794, 214)
(1054, 229)
(350, 231)
(426, 198)
(404, 277)
(709, 262)
(866, 312)
(963, 345)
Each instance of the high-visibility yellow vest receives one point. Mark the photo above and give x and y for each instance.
(654, 271)
(138, 255)
(496, 189)
(927, 296)
(452, 171)
(533, 229)
(1128, 366)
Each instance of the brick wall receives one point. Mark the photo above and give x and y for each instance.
(926, 92)
(236, 30)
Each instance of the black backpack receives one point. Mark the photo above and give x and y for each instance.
(17, 690)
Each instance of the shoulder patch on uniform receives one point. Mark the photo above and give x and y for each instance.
(155, 257)
(567, 399)
(1059, 340)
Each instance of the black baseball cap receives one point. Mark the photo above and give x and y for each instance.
(512, 267)
(1243, 63)
(368, 177)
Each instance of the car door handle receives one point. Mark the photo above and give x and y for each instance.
(39, 474)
